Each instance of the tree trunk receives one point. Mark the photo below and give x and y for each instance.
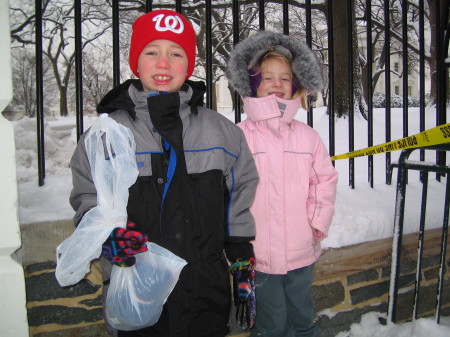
(214, 97)
(433, 51)
(64, 111)
(340, 57)
(342, 85)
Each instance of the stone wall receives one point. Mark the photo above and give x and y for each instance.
(352, 281)
(348, 282)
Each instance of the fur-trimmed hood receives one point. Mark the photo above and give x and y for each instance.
(305, 65)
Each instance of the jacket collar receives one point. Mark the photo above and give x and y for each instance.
(139, 97)
(192, 93)
(270, 107)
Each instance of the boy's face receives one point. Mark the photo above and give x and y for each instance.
(276, 79)
(162, 66)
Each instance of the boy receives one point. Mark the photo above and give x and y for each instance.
(196, 179)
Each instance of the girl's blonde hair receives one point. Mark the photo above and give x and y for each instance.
(297, 90)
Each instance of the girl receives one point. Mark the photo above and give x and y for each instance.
(296, 192)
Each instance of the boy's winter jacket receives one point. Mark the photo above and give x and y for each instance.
(294, 201)
(196, 182)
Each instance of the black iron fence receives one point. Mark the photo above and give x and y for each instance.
(404, 166)
(356, 41)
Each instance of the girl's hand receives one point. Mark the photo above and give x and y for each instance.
(318, 235)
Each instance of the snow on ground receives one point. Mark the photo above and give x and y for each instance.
(361, 214)
(370, 327)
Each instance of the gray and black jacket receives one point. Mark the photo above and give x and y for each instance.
(196, 182)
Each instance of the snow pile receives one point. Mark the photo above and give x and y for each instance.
(59, 143)
(361, 214)
(370, 326)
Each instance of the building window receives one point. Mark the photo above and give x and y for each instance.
(397, 90)
(409, 90)
(396, 67)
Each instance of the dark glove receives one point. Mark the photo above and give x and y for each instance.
(244, 292)
(122, 244)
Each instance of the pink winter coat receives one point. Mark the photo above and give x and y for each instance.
(294, 200)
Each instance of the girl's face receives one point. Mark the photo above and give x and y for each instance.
(162, 66)
(276, 79)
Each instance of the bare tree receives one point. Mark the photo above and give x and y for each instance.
(24, 81)
(58, 36)
(222, 36)
(59, 39)
(395, 44)
(432, 18)
(97, 76)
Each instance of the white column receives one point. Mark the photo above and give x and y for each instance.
(13, 313)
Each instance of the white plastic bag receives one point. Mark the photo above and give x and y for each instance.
(137, 294)
(111, 151)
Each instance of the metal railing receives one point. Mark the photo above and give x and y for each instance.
(403, 167)
(439, 76)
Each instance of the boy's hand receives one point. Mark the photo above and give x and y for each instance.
(122, 244)
(244, 292)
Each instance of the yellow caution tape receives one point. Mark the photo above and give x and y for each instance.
(438, 135)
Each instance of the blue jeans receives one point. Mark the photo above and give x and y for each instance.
(283, 304)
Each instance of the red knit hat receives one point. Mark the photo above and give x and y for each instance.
(162, 25)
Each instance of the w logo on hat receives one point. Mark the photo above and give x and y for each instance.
(171, 22)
